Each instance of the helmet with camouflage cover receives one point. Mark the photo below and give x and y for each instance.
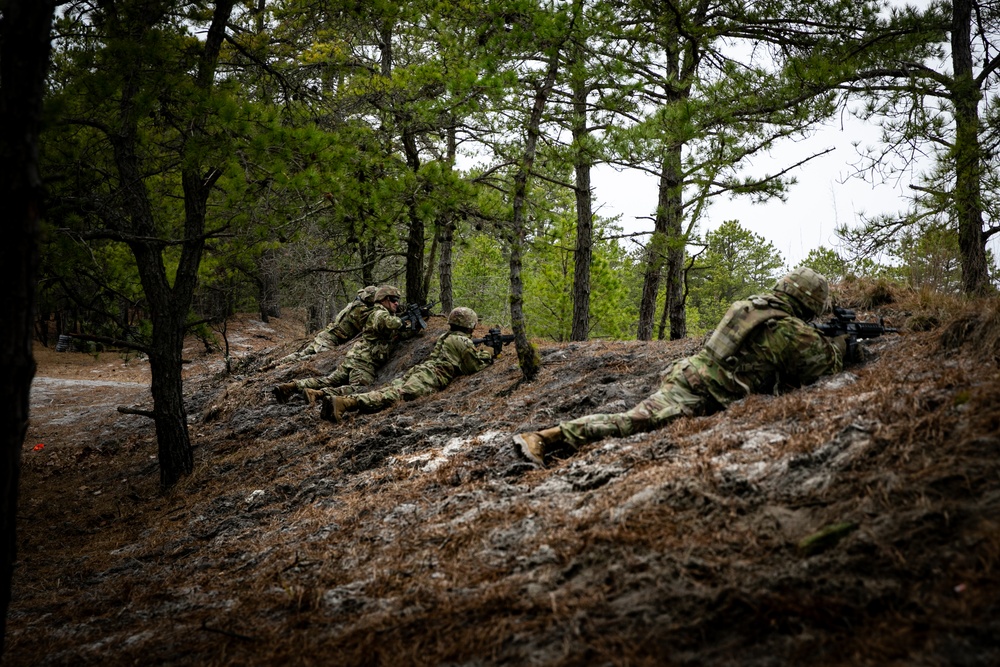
(367, 294)
(385, 291)
(807, 287)
(463, 317)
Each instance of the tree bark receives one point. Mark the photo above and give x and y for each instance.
(169, 304)
(655, 255)
(527, 355)
(268, 294)
(584, 252)
(446, 241)
(446, 237)
(24, 59)
(968, 155)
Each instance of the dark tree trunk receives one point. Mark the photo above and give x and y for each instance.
(665, 246)
(173, 443)
(267, 283)
(169, 304)
(968, 155)
(415, 292)
(675, 276)
(415, 259)
(369, 251)
(24, 58)
(446, 237)
(654, 256)
(527, 356)
(584, 251)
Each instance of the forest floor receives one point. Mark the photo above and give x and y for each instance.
(855, 521)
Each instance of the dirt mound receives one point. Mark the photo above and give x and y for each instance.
(853, 521)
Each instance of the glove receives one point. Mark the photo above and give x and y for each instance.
(840, 342)
(850, 351)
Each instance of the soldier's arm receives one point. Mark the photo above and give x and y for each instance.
(384, 324)
(472, 360)
(807, 354)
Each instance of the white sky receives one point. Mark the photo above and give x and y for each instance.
(823, 198)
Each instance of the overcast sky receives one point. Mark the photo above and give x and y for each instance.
(823, 198)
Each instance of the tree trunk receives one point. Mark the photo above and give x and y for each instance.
(169, 304)
(267, 284)
(968, 155)
(675, 288)
(169, 414)
(656, 252)
(369, 251)
(446, 236)
(584, 251)
(527, 355)
(24, 59)
(415, 258)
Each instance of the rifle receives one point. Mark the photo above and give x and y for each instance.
(414, 315)
(495, 339)
(843, 323)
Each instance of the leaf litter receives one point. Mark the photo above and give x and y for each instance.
(853, 521)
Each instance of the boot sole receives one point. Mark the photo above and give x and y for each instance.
(526, 451)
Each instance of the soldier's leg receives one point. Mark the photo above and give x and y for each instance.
(673, 399)
(337, 378)
(380, 399)
(358, 377)
(421, 382)
(323, 341)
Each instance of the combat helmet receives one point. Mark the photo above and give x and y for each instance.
(384, 292)
(463, 317)
(367, 294)
(807, 287)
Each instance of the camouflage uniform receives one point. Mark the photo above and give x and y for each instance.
(761, 347)
(345, 326)
(381, 334)
(454, 354)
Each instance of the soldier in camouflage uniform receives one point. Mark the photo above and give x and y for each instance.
(762, 345)
(346, 325)
(381, 334)
(454, 354)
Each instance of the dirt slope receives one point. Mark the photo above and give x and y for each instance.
(418, 536)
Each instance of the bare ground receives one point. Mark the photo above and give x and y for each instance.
(856, 521)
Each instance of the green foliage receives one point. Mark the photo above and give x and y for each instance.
(481, 282)
(549, 284)
(736, 263)
(334, 127)
(481, 279)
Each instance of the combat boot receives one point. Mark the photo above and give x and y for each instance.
(284, 391)
(342, 405)
(313, 395)
(533, 444)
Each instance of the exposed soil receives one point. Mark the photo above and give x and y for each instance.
(856, 521)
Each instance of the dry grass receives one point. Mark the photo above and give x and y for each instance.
(417, 536)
